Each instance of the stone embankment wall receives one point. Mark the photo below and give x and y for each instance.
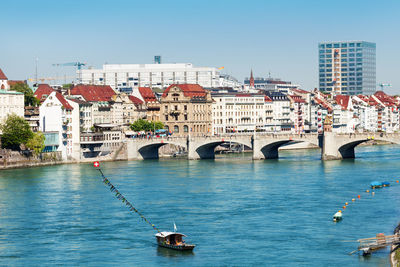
(395, 251)
(13, 159)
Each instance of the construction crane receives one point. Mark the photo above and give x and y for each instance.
(49, 78)
(383, 85)
(78, 65)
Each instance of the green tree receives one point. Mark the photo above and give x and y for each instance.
(157, 124)
(67, 86)
(36, 143)
(141, 125)
(16, 131)
(29, 99)
(144, 125)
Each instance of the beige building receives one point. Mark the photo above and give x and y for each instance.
(186, 109)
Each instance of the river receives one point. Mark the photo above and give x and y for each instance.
(237, 211)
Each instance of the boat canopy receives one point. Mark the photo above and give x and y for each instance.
(376, 183)
(165, 234)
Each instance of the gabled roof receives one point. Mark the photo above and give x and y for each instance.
(43, 91)
(135, 100)
(93, 93)
(323, 103)
(300, 91)
(297, 99)
(342, 100)
(63, 101)
(189, 90)
(267, 99)
(147, 94)
(387, 100)
(2, 75)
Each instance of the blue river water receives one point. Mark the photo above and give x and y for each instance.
(237, 211)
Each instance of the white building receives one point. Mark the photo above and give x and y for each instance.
(154, 75)
(238, 113)
(57, 115)
(281, 112)
(3, 81)
(11, 103)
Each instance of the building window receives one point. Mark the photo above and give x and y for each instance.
(186, 117)
(185, 128)
(176, 129)
(166, 117)
(176, 107)
(185, 107)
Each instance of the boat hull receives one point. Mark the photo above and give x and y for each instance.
(177, 247)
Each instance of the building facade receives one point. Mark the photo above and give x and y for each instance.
(186, 109)
(347, 68)
(238, 113)
(153, 75)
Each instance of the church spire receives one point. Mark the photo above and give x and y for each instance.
(251, 79)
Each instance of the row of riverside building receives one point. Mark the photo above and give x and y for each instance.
(89, 120)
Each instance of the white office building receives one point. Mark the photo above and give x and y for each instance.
(155, 75)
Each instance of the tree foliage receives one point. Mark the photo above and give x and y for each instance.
(144, 125)
(16, 131)
(36, 143)
(29, 98)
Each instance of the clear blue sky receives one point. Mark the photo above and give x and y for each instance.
(279, 36)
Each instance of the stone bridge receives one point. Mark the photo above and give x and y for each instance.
(203, 147)
(143, 148)
(341, 146)
(264, 146)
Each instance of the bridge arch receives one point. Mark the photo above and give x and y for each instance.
(204, 148)
(149, 148)
(268, 148)
(342, 146)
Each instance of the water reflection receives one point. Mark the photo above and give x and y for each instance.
(166, 252)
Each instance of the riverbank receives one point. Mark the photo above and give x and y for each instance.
(395, 251)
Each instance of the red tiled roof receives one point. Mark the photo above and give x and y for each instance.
(342, 100)
(147, 94)
(189, 90)
(267, 99)
(63, 101)
(93, 93)
(322, 103)
(386, 99)
(11, 83)
(2, 75)
(135, 100)
(297, 99)
(301, 91)
(43, 91)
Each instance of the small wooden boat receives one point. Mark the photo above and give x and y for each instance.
(173, 240)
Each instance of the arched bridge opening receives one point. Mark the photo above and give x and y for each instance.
(269, 148)
(152, 151)
(207, 150)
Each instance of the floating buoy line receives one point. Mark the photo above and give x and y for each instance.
(374, 185)
(119, 196)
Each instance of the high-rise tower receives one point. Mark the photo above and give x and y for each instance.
(347, 68)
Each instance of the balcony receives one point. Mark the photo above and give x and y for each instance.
(92, 138)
